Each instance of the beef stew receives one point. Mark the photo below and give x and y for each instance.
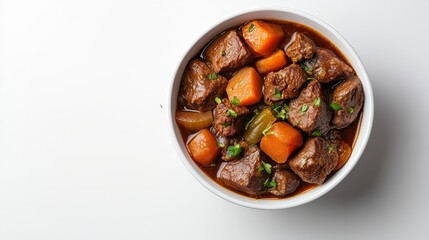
(285, 109)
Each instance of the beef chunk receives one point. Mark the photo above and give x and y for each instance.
(309, 110)
(326, 67)
(288, 81)
(227, 52)
(229, 119)
(349, 95)
(315, 161)
(242, 174)
(287, 182)
(301, 47)
(333, 135)
(200, 86)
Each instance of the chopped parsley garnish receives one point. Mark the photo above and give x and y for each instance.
(306, 68)
(277, 93)
(282, 114)
(310, 78)
(302, 162)
(350, 110)
(270, 183)
(212, 76)
(281, 111)
(331, 148)
(227, 124)
(316, 133)
(335, 106)
(317, 102)
(220, 144)
(276, 108)
(265, 131)
(265, 166)
(233, 150)
(251, 27)
(223, 53)
(241, 82)
(212, 165)
(232, 113)
(304, 108)
(217, 100)
(255, 113)
(235, 101)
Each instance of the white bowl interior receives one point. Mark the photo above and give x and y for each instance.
(333, 36)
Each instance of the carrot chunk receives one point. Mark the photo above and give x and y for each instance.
(203, 147)
(246, 86)
(280, 141)
(272, 63)
(262, 37)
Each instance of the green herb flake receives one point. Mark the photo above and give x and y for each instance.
(350, 109)
(302, 162)
(331, 148)
(265, 131)
(251, 27)
(212, 76)
(270, 183)
(282, 114)
(232, 113)
(212, 165)
(310, 78)
(276, 108)
(277, 93)
(223, 53)
(235, 101)
(233, 150)
(306, 68)
(316, 133)
(217, 100)
(335, 106)
(265, 166)
(220, 144)
(241, 82)
(304, 108)
(317, 102)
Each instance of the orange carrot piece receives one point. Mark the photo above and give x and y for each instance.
(272, 63)
(203, 147)
(280, 141)
(246, 85)
(262, 37)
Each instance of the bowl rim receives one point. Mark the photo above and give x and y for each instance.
(364, 132)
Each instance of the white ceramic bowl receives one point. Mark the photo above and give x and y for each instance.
(282, 14)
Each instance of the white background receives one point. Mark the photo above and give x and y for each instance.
(85, 151)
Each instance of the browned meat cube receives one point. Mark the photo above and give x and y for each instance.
(349, 96)
(301, 47)
(227, 52)
(309, 111)
(242, 174)
(228, 118)
(286, 182)
(284, 84)
(200, 85)
(315, 161)
(326, 67)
